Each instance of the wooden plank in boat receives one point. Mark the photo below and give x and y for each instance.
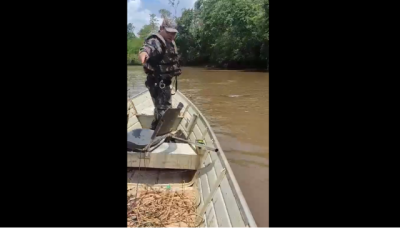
(219, 205)
(227, 194)
(208, 140)
(199, 184)
(210, 216)
(197, 132)
(201, 125)
(205, 188)
(211, 176)
(192, 123)
(192, 111)
(220, 209)
(186, 120)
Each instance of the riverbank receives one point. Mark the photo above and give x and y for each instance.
(238, 68)
(243, 69)
(212, 67)
(241, 66)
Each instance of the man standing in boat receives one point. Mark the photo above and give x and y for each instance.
(160, 61)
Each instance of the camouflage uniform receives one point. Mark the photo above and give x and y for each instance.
(160, 67)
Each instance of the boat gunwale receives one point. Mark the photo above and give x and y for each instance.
(237, 192)
(243, 207)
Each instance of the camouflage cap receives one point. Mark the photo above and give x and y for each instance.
(169, 25)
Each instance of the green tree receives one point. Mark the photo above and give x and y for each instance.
(135, 43)
(130, 31)
(225, 32)
(152, 27)
(133, 47)
(145, 31)
(154, 23)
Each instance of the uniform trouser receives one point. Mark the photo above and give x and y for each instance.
(161, 99)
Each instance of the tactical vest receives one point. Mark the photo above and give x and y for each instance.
(166, 66)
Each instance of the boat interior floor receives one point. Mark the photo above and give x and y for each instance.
(151, 176)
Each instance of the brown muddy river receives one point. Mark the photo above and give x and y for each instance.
(236, 104)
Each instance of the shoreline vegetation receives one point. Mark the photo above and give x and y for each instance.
(215, 34)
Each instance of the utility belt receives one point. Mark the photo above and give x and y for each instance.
(154, 81)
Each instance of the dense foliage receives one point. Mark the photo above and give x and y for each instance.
(232, 33)
(221, 33)
(134, 43)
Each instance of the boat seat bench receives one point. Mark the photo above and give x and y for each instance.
(167, 155)
(149, 111)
